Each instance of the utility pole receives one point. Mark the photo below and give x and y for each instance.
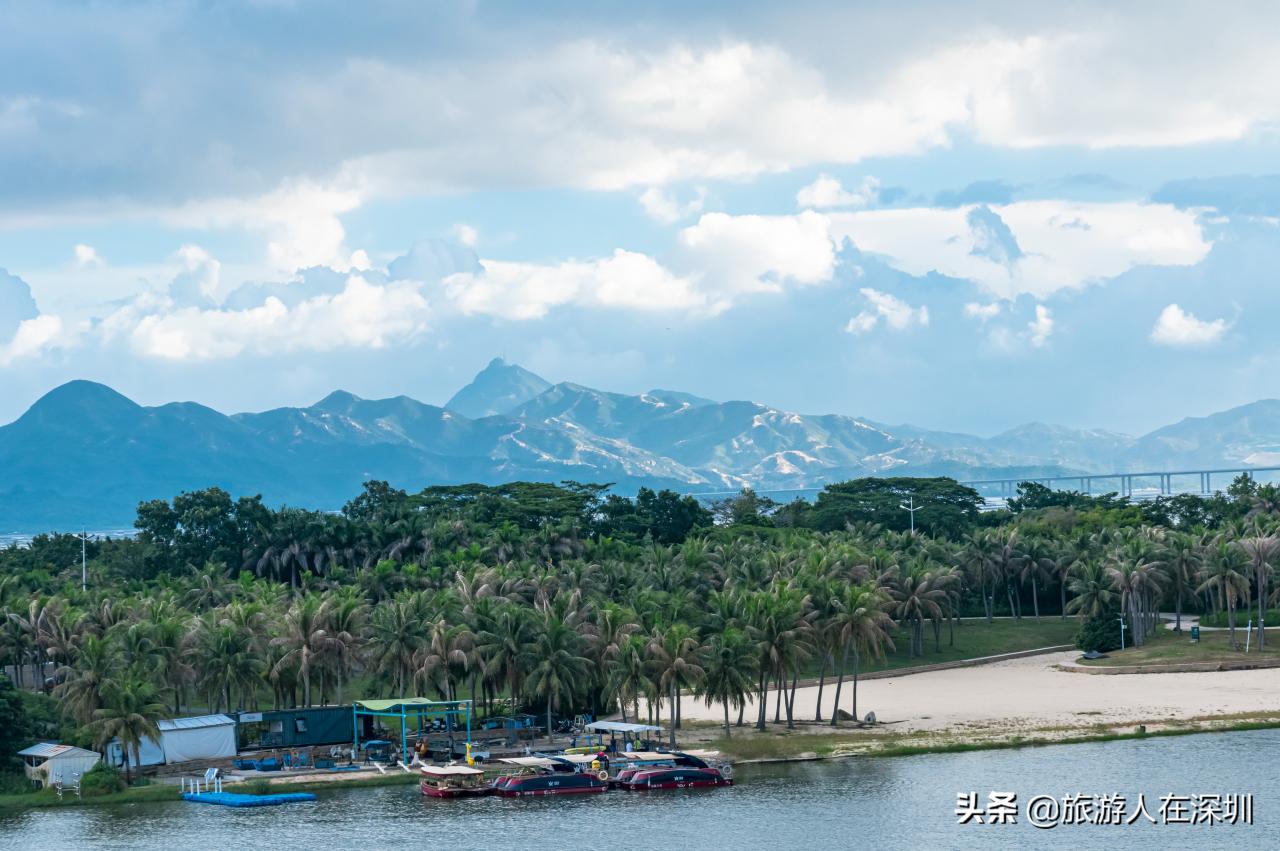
(910, 507)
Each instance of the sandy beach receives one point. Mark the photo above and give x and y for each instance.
(1030, 693)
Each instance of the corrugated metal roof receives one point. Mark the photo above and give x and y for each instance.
(51, 749)
(195, 723)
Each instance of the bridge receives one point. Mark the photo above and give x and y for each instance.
(1163, 482)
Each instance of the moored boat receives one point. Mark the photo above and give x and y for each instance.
(544, 775)
(682, 771)
(453, 781)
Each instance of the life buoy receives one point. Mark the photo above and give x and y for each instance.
(726, 771)
(602, 775)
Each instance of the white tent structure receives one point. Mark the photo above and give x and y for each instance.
(202, 737)
(48, 763)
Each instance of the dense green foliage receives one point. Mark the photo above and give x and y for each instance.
(1100, 633)
(560, 599)
(102, 779)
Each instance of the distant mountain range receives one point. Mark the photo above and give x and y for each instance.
(84, 455)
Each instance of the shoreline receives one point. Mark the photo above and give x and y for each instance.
(883, 746)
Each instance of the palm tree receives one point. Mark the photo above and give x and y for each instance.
(396, 635)
(559, 668)
(675, 664)
(862, 628)
(1261, 551)
(1182, 560)
(1224, 575)
(729, 666)
(84, 683)
(1091, 589)
(130, 713)
(627, 677)
(305, 639)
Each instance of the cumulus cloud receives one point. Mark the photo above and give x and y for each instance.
(362, 315)
(734, 255)
(466, 234)
(826, 191)
(31, 338)
(625, 280)
(1028, 247)
(1039, 329)
(894, 312)
(982, 312)
(16, 304)
(1176, 327)
(664, 208)
(86, 256)
(199, 281)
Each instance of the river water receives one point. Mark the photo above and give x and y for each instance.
(892, 803)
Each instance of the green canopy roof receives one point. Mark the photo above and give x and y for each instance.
(395, 703)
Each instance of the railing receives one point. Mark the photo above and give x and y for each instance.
(201, 785)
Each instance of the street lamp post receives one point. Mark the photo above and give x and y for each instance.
(911, 508)
(1122, 629)
(84, 559)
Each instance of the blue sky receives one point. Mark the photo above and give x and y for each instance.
(963, 216)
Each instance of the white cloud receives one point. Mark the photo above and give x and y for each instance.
(827, 191)
(895, 313)
(734, 255)
(32, 337)
(528, 291)
(362, 315)
(982, 312)
(86, 256)
(300, 222)
(199, 282)
(663, 208)
(1176, 327)
(466, 234)
(1039, 329)
(1062, 244)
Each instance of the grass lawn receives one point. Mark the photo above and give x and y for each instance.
(1242, 618)
(974, 638)
(1168, 648)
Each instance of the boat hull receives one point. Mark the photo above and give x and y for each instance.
(433, 792)
(535, 793)
(678, 784)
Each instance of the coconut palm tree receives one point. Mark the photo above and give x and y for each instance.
(1224, 575)
(305, 639)
(861, 626)
(1091, 588)
(675, 664)
(84, 683)
(728, 662)
(129, 713)
(559, 668)
(1261, 551)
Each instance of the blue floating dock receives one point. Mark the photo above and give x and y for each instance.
(235, 799)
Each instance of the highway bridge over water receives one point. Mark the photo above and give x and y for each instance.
(1134, 485)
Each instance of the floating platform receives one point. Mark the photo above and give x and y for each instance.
(235, 799)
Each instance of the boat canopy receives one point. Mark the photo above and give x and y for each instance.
(622, 727)
(451, 770)
(529, 761)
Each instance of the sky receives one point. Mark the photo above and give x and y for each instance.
(961, 216)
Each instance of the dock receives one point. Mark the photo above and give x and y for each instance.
(235, 799)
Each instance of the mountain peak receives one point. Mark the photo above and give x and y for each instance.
(80, 400)
(338, 400)
(497, 389)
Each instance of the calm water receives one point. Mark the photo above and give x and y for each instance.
(901, 803)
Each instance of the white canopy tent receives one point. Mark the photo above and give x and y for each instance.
(151, 753)
(202, 737)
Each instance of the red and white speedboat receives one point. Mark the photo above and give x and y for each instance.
(453, 781)
(682, 771)
(547, 775)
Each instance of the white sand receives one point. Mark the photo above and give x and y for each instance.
(1029, 693)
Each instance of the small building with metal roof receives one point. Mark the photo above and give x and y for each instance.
(48, 763)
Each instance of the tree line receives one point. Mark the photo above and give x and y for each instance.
(564, 598)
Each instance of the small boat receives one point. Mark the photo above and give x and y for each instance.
(679, 771)
(453, 781)
(548, 775)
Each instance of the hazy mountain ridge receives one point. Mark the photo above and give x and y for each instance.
(85, 455)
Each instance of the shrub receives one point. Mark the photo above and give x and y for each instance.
(258, 787)
(1101, 634)
(102, 779)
